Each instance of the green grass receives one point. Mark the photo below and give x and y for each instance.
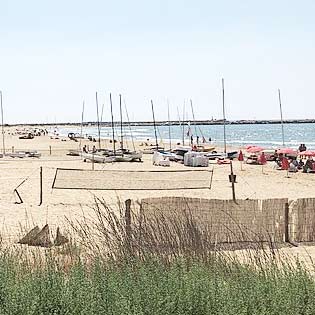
(151, 287)
(160, 266)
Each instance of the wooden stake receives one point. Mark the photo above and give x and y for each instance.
(92, 161)
(50, 150)
(233, 183)
(40, 186)
(17, 193)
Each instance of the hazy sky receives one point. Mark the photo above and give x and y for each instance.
(54, 54)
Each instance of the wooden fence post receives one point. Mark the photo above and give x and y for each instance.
(50, 150)
(286, 223)
(40, 186)
(128, 223)
(232, 179)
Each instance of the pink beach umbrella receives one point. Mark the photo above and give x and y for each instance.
(307, 153)
(248, 146)
(255, 149)
(286, 151)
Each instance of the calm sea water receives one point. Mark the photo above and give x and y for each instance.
(266, 135)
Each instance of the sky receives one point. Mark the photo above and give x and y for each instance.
(55, 54)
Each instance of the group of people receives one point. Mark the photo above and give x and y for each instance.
(294, 164)
(85, 149)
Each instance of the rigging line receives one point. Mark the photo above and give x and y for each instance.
(196, 126)
(25, 179)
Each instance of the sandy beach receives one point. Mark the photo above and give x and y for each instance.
(253, 182)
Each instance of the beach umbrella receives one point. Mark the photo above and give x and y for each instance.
(255, 149)
(307, 153)
(286, 151)
(285, 164)
(241, 158)
(248, 146)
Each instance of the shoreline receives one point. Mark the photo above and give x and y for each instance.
(172, 123)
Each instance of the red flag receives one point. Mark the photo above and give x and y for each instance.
(241, 156)
(262, 159)
(285, 164)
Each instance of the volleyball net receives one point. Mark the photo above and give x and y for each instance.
(132, 180)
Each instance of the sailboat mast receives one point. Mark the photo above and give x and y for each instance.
(121, 125)
(156, 140)
(98, 122)
(282, 126)
(193, 115)
(223, 109)
(180, 122)
(184, 122)
(113, 130)
(2, 123)
(169, 124)
(82, 117)
(133, 144)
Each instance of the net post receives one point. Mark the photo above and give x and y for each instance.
(40, 186)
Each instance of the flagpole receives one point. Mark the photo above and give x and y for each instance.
(223, 109)
(282, 127)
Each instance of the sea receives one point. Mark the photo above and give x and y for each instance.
(265, 135)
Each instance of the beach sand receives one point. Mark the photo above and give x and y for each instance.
(253, 182)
